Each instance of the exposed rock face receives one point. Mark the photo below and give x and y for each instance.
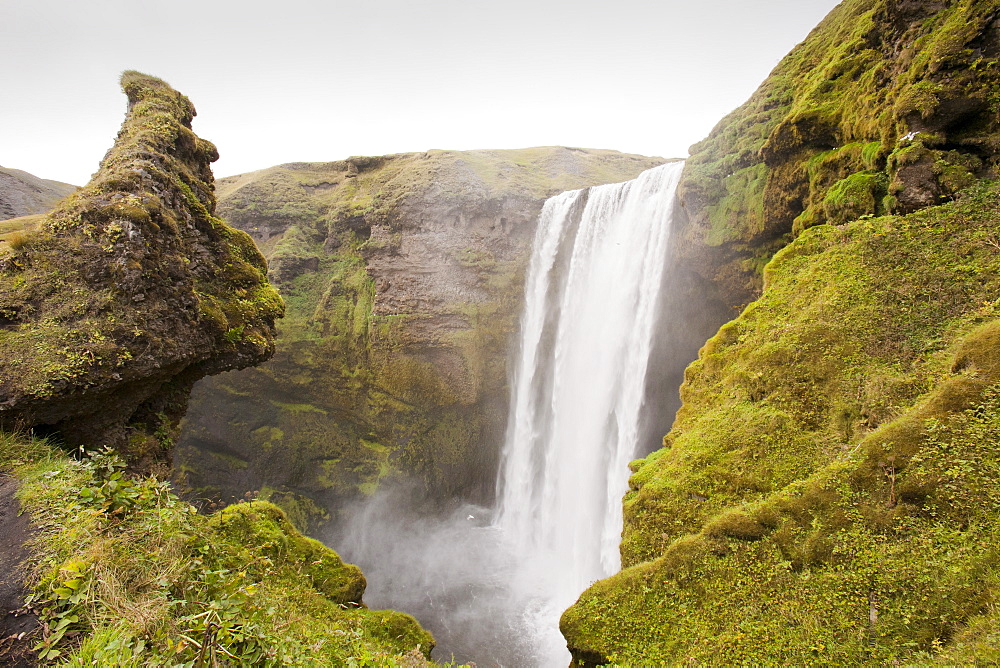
(131, 291)
(828, 487)
(22, 194)
(403, 276)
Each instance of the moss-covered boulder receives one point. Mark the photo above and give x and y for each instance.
(130, 291)
(403, 278)
(262, 528)
(886, 107)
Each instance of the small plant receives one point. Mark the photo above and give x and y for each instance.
(235, 334)
(18, 240)
(115, 494)
(67, 595)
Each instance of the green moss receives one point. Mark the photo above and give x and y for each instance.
(851, 198)
(304, 513)
(264, 526)
(828, 492)
(918, 70)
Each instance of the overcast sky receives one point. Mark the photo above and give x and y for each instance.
(305, 80)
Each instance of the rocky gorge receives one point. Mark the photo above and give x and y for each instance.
(826, 489)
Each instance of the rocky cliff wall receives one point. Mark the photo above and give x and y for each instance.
(402, 276)
(887, 107)
(114, 304)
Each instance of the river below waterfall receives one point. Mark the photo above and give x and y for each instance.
(490, 584)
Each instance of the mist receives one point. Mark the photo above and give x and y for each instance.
(454, 572)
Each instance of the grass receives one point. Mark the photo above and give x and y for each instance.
(127, 574)
(15, 233)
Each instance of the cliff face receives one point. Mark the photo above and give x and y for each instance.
(23, 194)
(402, 276)
(828, 490)
(130, 291)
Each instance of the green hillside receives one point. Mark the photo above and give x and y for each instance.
(828, 493)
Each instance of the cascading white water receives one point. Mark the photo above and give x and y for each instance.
(493, 593)
(591, 301)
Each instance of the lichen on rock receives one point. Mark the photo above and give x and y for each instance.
(130, 291)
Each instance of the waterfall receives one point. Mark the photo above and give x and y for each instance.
(492, 590)
(591, 299)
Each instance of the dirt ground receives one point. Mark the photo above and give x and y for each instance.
(18, 630)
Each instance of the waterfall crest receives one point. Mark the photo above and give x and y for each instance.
(591, 299)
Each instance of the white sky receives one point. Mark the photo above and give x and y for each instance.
(306, 80)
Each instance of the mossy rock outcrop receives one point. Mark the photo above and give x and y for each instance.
(130, 291)
(403, 279)
(888, 106)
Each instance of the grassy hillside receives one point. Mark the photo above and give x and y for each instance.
(125, 574)
(828, 494)
(402, 278)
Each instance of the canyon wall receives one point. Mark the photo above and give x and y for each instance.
(403, 279)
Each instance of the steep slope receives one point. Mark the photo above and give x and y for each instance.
(23, 194)
(130, 291)
(828, 491)
(887, 107)
(402, 276)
